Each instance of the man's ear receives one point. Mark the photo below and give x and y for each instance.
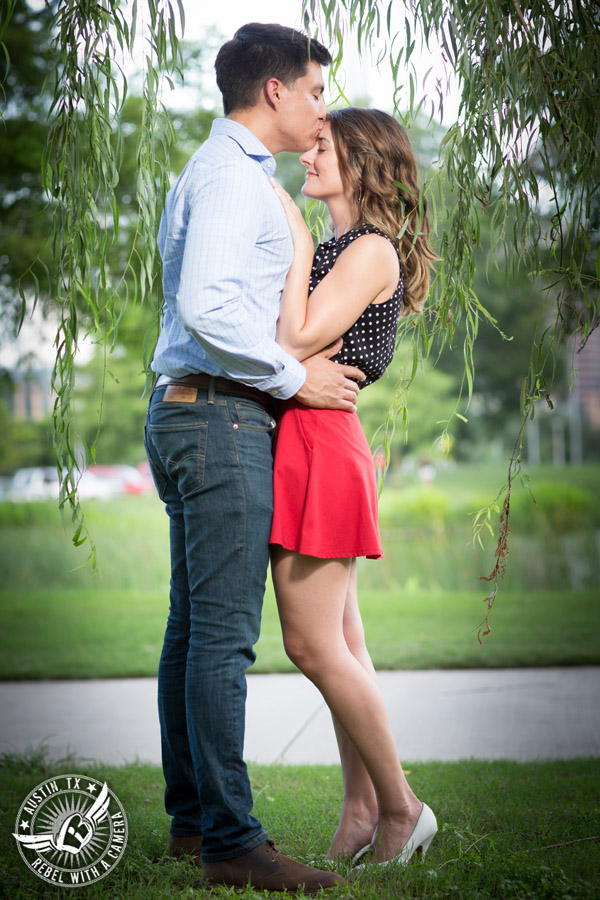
(273, 91)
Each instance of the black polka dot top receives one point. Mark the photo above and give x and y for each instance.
(370, 342)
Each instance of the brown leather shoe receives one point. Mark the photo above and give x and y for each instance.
(179, 847)
(268, 869)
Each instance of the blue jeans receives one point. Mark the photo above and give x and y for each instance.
(212, 465)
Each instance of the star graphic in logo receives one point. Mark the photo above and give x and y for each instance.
(24, 825)
(92, 787)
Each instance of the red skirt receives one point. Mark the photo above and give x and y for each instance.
(325, 492)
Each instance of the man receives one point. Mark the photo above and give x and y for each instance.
(226, 249)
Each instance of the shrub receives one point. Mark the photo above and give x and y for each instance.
(22, 515)
(558, 508)
(414, 508)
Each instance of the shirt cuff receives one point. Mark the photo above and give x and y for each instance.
(287, 382)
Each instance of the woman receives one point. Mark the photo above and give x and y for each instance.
(364, 169)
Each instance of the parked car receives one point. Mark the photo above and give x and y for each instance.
(121, 479)
(143, 468)
(91, 487)
(41, 483)
(34, 483)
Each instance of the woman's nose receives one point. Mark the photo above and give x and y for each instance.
(307, 158)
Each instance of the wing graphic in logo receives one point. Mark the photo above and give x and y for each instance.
(99, 807)
(75, 832)
(39, 842)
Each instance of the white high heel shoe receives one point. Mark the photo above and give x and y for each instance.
(364, 850)
(422, 836)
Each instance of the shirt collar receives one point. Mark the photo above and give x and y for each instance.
(247, 140)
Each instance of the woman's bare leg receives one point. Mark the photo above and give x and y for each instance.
(360, 810)
(359, 807)
(311, 597)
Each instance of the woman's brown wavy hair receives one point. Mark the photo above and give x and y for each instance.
(378, 164)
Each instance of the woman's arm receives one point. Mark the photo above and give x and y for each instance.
(366, 272)
(294, 297)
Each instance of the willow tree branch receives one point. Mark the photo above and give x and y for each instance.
(545, 76)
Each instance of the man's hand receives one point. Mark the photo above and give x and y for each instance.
(328, 384)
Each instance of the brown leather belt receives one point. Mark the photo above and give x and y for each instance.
(226, 386)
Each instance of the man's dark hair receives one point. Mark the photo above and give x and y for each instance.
(258, 52)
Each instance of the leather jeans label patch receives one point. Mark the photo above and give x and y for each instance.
(179, 393)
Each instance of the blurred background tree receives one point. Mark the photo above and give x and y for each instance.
(26, 215)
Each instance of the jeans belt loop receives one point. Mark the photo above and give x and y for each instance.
(211, 390)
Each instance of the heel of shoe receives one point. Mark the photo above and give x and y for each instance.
(429, 824)
(422, 850)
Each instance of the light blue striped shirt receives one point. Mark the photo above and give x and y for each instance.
(226, 249)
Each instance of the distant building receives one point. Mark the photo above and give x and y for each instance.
(562, 428)
(28, 397)
(586, 384)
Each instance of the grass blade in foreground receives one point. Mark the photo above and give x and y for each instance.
(512, 831)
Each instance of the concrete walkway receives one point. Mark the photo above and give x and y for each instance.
(521, 714)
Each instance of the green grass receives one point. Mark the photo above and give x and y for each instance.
(131, 535)
(426, 535)
(485, 480)
(508, 831)
(421, 604)
(74, 634)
